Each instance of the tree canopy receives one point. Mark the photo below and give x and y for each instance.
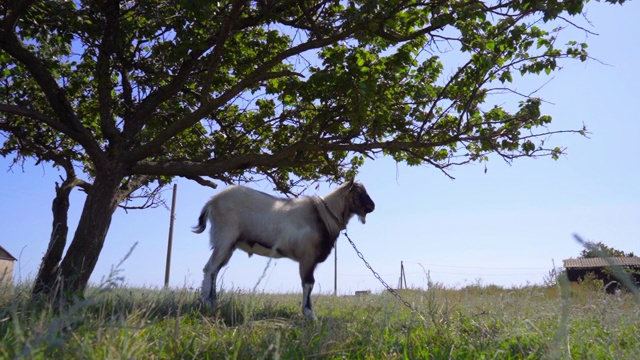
(124, 95)
(599, 249)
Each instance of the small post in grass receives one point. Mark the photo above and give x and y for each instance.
(335, 270)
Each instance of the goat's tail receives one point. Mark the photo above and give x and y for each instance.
(202, 220)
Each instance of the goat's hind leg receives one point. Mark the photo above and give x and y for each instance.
(219, 258)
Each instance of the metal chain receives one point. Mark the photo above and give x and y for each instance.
(377, 276)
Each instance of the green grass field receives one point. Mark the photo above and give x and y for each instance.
(476, 322)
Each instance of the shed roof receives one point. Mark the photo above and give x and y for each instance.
(4, 255)
(601, 262)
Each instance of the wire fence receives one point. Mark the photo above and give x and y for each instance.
(505, 271)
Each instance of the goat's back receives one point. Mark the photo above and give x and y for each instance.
(257, 215)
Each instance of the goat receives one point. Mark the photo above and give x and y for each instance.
(303, 229)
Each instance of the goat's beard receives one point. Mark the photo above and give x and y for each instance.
(362, 218)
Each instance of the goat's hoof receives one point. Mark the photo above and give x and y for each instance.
(310, 315)
(208, 303)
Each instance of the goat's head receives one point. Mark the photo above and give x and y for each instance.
(359, 201)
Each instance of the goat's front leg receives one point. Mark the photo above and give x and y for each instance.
(306, 274)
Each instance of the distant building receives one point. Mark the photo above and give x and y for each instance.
(6, 266)
(577, 269)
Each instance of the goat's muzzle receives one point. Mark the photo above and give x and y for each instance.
(368, 208)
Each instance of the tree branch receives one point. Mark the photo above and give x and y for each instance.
(203, 182)
(222, 37)
(147, 106)
(35, 115)
(103, 70)
(67, 118)
(14, 13)
(152, 197)
(287, 156)
(261, 73)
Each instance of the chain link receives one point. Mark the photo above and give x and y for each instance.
(377, 276)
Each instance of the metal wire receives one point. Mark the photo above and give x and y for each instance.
(377, 276)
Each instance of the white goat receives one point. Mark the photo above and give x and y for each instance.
(303, 229)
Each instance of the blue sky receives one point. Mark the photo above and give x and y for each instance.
(505, 226)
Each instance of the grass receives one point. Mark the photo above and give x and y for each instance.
(476, 322)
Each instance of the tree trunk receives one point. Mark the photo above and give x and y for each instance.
(82, 255)
(46, 279)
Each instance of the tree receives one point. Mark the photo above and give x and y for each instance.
(130, 94)
(599, 249)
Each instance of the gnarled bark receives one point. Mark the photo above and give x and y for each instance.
(84, 250)
(45, 282)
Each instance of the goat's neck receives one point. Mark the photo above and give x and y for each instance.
(334, 217)
(335, 205)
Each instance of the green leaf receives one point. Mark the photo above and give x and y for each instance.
(490, 45)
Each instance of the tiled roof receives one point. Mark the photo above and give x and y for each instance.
(601, 262)
(4, 255)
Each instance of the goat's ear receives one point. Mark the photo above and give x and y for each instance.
(349, 183)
